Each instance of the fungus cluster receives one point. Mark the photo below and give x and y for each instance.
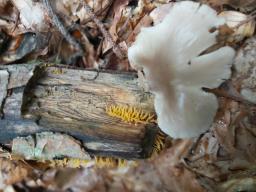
(173, 58)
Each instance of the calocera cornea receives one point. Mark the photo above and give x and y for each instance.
(171, 55)
(137, 115)
(130, 114)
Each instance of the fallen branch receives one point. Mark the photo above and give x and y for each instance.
(58, 99)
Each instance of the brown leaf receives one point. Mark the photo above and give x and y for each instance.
(143, 22)
(118, 9)
(164, 173)
(244, 181)
(242, 4)
(78, 180)
(233, 132)
(12, 172)
(173, 173)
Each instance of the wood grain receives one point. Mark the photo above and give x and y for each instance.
(72, 101)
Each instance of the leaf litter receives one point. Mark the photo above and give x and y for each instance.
(222, 159)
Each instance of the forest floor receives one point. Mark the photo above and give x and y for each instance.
(96, 35)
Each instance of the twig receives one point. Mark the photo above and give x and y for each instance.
(225, 94)
(253, 13)
(116, 48)
(16, 22)
(58, 24)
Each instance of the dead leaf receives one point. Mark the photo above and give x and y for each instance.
(144, 22)
(32, 14)
(242, 4)
(12, 172)
(78, 180)
(245, 181)
(100, 8)
(118, 9)
(241, 24)
(232, 136)
(164, 173)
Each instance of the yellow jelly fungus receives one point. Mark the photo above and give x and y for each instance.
(130, 114)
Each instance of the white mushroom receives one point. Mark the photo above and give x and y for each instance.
(170, 56)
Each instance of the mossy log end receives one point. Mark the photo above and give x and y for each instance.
(37, 98)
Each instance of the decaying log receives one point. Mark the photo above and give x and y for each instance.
(37, 98)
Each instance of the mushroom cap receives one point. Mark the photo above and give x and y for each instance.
(170, 55)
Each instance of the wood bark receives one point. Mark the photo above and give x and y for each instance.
(37, 98)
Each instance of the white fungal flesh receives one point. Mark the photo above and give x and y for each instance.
(169, 55)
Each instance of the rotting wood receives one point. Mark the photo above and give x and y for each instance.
(73, 101)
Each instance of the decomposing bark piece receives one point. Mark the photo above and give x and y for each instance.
(48, 146)
(17, 81)
(4, 76)
(11, 124)
(19, 75)
(74, 102)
